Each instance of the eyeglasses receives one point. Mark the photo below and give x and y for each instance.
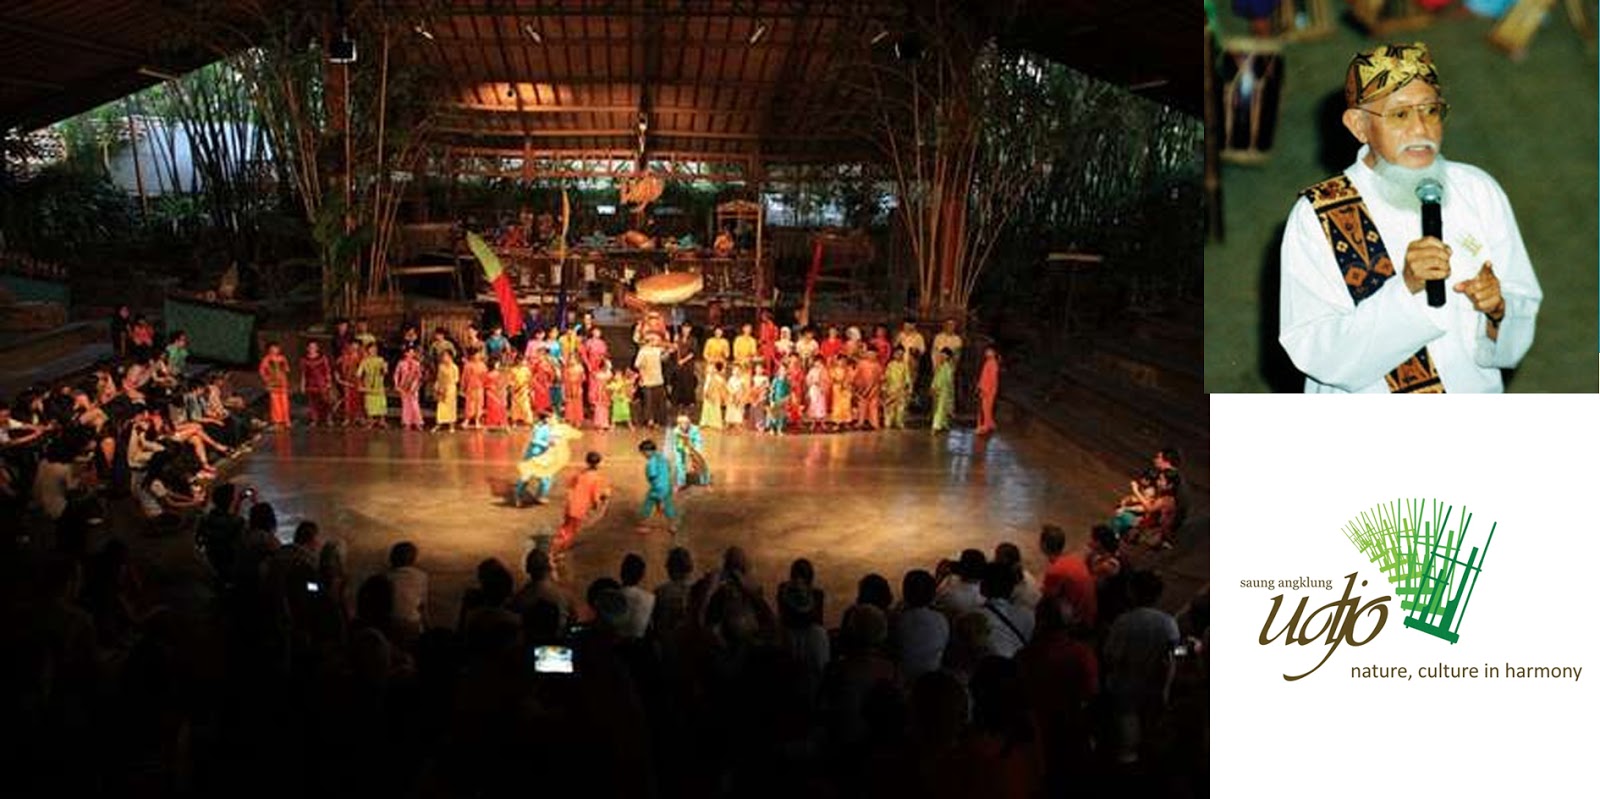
(1430, 113)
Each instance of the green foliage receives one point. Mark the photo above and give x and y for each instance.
(63, 212)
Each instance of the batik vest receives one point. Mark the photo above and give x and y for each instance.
(1364, 262)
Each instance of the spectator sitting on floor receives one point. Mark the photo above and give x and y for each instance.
(959, 584)
(920, 633)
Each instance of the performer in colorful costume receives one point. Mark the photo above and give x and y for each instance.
(1344, 320)
(545, 456)
(688, 450)
(658, 475)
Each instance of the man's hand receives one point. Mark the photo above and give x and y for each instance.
(1426, 259)
(1484, 292)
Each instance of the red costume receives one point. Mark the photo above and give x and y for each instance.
(988, 390)
(572, 393)
(473, 378)
(767, 343)
(350, 384)
(494, 399)
(543, 377)
(869, 391)
(884, 347)
(589, 491)
(316, 375)
(830, 347)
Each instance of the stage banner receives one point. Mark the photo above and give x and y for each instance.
(1397, 596)
(217, 332)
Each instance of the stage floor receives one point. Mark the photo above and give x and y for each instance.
(853, 503)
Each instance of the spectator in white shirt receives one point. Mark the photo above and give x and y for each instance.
(1010, 626)
(410, 586)
(920, 633)
(958, 593)
(641, 603)
(1138, 664)
(1027, 592)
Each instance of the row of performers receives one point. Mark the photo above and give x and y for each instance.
(584, 388)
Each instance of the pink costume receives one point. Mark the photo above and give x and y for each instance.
(600, 397)
(816, 393)
(408, 382)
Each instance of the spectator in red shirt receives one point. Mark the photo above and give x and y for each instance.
(1067, 579)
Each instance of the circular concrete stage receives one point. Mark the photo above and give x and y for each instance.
(853, 503)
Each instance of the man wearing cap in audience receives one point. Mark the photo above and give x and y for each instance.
(1354, 310)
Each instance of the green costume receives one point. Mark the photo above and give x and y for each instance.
(896, 393)
(373, 392)
(944, 395)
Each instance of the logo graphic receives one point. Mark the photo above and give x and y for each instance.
(1412, 543)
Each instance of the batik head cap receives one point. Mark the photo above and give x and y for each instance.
(1383, 70)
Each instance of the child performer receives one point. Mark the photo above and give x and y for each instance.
(408, 384)
(944, 389)
(778, 400)
(474, 375)
(733, 411)
(274, 372)
(658, 475)
(371, 372)
(349, 383)
(588, 495)
(620, 387)
(713, 396)
(316, 380)
(494, 397)
(896, 390)
(988, 389)
(572, 389)
(868, 385)
(599, 395)
(444, 389)
(840, 413)
(521, 393)
(816, 394)
(543, 378)
(760, 386)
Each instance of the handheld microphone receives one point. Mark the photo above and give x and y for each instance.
(1431, 193)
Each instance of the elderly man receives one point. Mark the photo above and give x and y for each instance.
(1346, 321)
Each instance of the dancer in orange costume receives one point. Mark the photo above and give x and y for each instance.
(988, 389)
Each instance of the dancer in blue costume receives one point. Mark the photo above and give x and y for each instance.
(658, 474)
(538, 443)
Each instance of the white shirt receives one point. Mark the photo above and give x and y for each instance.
(920, 636)
(1346, 348)
(1003, 640)
(641, 603)
(410, 586)
(959, 597)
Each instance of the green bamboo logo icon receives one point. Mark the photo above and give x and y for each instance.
(1412, 543)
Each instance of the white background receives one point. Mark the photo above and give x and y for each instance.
(1288, 472)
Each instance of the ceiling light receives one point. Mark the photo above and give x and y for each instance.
(533, 33)
(422, 29)
(760, 31)
(883, 33)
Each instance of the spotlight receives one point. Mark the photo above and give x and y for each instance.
(533, 33)
(760, 31)
(342, 49)
(883, 33)
(422, 30)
